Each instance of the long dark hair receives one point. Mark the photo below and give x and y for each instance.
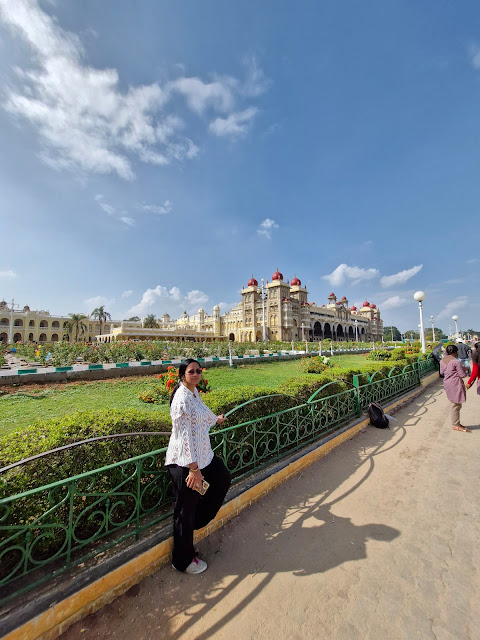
(452, 349)
(181, 375)
(476, 353)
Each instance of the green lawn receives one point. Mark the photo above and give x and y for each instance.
(21, 409)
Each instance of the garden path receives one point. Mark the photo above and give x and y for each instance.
(377, 540)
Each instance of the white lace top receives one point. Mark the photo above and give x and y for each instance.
(191, 420)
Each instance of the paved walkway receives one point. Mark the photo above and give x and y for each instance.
(379, 540)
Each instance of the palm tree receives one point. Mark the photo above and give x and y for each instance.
(101, 315)
(76, 324)
(150, 322)
(134, 319)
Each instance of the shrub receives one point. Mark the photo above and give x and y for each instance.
(315, 364)
(160, 392)
(223, 401)
(379, 355)
(50, 434)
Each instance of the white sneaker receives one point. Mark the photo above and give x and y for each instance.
(196, 566)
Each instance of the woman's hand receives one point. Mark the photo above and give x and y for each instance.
(221, 419)
(469, 384)
(194, 479)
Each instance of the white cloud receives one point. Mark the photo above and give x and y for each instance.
(266, 228)
(160, 209)
(8, 273)
(393, 302)
(121, 216)
(196, 298)
(127, 294)
(474, 52)
(98, 301)
(161, 300)
(355, 274)
(473, 260)
(87, 122)
(401, 277)
(256, 81)
(452, 307)
(199, 95)
(234, 125)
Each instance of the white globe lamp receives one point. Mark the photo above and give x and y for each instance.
(420, 296)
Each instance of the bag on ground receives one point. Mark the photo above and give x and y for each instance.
(377, 416)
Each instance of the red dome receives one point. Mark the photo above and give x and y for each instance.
(296, 282)
(353, 308)
(277, 275)
(323, 305)
(344, 298)
(252, 282)
(332, 295)
(373, 306)
(366, 303)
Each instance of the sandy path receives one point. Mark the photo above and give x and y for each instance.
(380, 539)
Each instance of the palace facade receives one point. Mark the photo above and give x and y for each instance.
(288, 316)
(40, 326)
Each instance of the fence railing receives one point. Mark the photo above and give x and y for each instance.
(47, 530)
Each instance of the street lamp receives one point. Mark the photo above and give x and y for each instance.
(432, 320)
(356, 330)
(455, 318)
(419, 296)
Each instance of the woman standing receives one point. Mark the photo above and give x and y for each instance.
(475, 367)
(453, 374)
(190, 460)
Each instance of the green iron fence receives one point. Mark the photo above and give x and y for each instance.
(47, 530)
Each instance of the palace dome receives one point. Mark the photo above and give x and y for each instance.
(373, 306)
(366, 303)
(277, 275)
(332, 295)
(252, 282)
(344, 298)
(296, 282)
(354, 308)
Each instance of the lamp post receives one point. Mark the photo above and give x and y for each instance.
(419, 296)
(455, 318)
(10, 333)
(356, 330)
(432, 320)
(303, 337)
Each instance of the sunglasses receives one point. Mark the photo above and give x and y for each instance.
(192, 372)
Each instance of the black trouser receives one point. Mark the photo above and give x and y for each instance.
(193, 511)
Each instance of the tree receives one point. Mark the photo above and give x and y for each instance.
(439, 335)
(391, 333)
(134, 319)
(150, 322)
(76, 325)
(101, 315)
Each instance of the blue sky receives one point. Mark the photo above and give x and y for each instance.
(154, 155)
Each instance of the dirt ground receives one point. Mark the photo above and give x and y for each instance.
(378, 540)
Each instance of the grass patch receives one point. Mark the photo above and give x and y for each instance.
(22, 408)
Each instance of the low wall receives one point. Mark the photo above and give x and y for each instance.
(125, 369)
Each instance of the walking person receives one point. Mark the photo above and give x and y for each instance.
(475, 367)
(463, 354)
(453, 374)
(190, 460)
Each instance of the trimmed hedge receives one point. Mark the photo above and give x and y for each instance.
(50, 434)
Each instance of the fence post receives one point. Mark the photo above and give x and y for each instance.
(356, 389)
(417, 371)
